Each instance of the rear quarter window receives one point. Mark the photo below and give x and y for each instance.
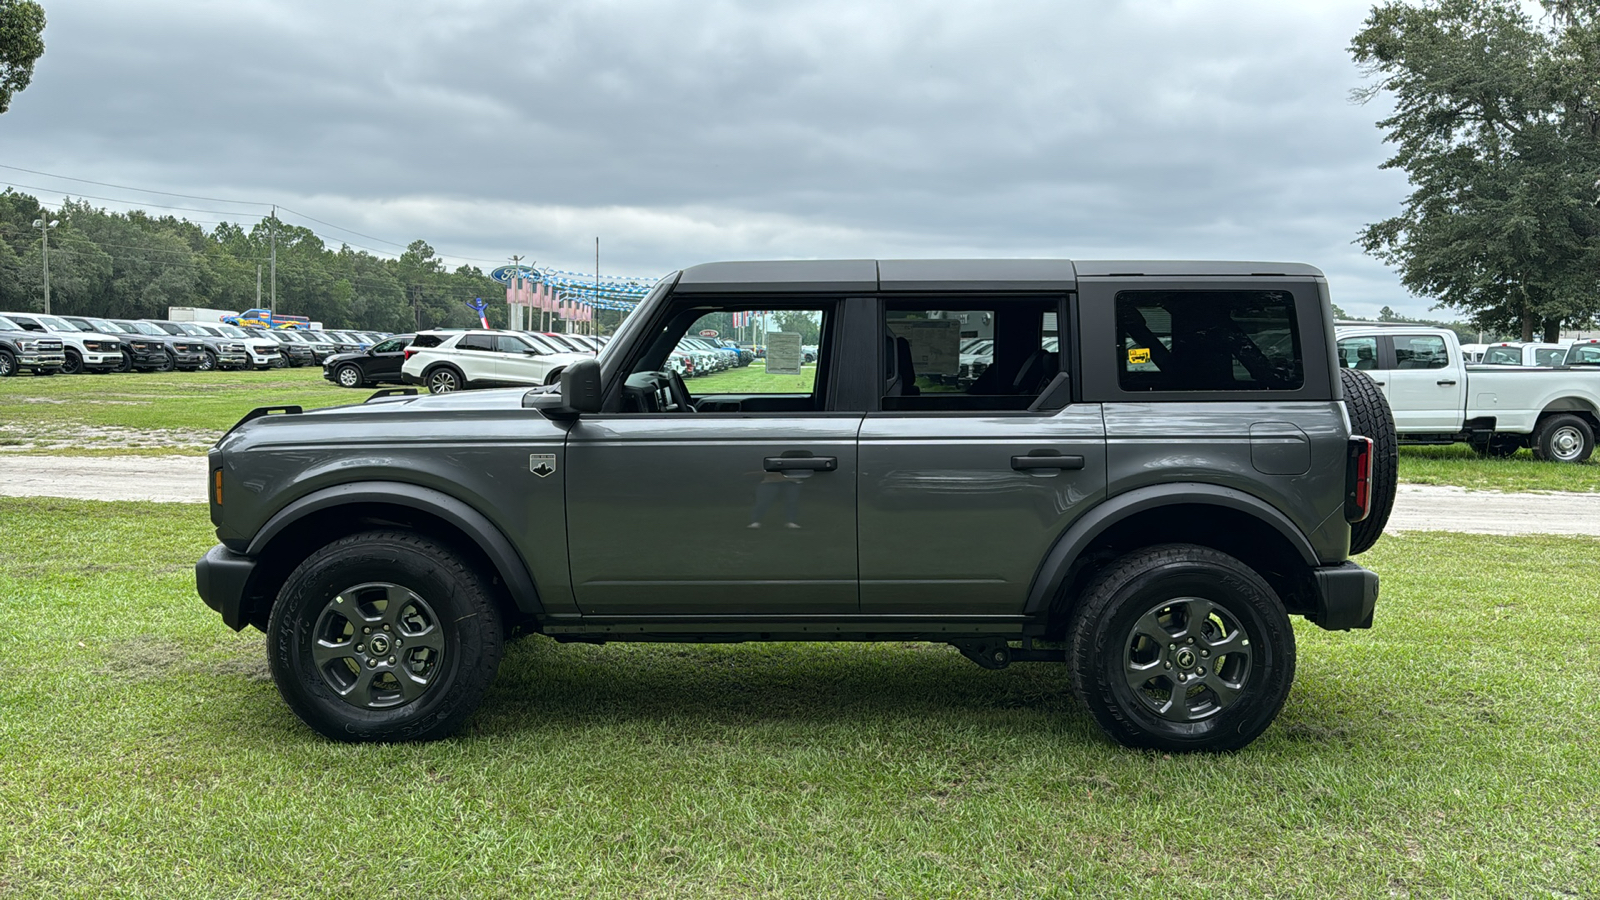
(1208, 341)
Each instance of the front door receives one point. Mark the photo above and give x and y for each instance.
(733, 494)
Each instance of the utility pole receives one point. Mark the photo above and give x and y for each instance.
(272, 229)
(44, 223)
(258, 285)
(514, 312)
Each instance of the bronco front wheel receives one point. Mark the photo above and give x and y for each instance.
(384, 636)
(1181, 647)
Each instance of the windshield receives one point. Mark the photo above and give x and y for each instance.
(1548, 357)
(1588, 354)
(56, 324)
(232, 331)
(8, 325)
(191, 329)
(1503, 356)
(144, 328)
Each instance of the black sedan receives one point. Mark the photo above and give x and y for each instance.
(377, 365)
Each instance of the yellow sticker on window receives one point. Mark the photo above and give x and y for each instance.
(1137, 355)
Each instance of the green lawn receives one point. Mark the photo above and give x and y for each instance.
(162, 412)
(1449, 752)
(1457, 465)
(753, 379)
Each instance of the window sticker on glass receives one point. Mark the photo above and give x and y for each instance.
(935, 344)
(783, 353)
(1137, 355)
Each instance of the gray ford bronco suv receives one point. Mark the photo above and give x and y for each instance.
(1144, 472)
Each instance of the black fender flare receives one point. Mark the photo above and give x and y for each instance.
(513, 570)
(1081, 534)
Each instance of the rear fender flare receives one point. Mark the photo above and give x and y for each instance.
(1081, 535)
(513, 570)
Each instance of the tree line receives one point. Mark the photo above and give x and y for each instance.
(136, 265)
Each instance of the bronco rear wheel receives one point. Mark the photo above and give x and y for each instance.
(384, 636)
(1181, 647)
(1371, 417)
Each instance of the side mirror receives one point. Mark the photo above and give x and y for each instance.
(580, 387)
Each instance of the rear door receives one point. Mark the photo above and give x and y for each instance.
(1426, 389)
(968, 473)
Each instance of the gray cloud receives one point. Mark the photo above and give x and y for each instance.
(682, 132)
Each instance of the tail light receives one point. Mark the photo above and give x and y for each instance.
(409, 353)
(1358, 480)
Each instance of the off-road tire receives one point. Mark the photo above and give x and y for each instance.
(1371, 417)
(74, 363)
(462, 620)
(8, 364)
(349, 376)
(1563, 438)
(444, 379)
(1109, 647)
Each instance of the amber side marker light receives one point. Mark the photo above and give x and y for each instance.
(216, 486)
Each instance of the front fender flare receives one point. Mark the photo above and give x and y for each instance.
(513, 570)
(1082, 533)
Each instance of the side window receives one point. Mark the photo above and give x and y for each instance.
(1208, 341)
(392, 345)
(506, 343)
(1419, 351)
(1358, 353)
(476, 342)
(791, 341)
(969, 355)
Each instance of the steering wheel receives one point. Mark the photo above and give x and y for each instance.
(680, 392)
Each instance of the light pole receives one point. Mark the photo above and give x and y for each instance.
(44, 224)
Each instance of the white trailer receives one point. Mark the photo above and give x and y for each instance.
(198, 314)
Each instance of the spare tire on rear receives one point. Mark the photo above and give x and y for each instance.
(1371, 417)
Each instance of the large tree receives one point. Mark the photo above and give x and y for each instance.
(1495, 124)
(21, 45)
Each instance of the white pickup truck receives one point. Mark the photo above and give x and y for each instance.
(1437, 399)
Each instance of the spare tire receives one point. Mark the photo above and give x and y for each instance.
(1371, 417)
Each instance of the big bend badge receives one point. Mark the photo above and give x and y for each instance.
(542, 464)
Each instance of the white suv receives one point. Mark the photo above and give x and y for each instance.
(468, 359)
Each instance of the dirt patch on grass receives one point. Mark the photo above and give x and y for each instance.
(142, 658)
(28, 438)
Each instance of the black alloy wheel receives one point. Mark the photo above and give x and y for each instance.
(1181, 647)
(8, 364)
(349, 376)
(384, 636)
(74, 363)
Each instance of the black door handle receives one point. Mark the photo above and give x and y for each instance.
(1022, 463)
(1451, 381)
(800, 463)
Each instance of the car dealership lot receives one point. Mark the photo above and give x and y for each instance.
(1447, 752)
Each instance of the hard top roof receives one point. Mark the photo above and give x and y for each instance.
(800, 275)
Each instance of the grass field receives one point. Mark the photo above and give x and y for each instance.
(184, 412)
(1449, 752)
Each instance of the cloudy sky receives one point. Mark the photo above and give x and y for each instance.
(683, 132)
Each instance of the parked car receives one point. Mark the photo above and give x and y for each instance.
(471, 359)
(294, 353)
(220, 352)
(378, 365)
(1152, 504)
(21, 349)
(1497, 409)
(265, 353)
(84, 351)
(1583, 352)
(156, 349)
